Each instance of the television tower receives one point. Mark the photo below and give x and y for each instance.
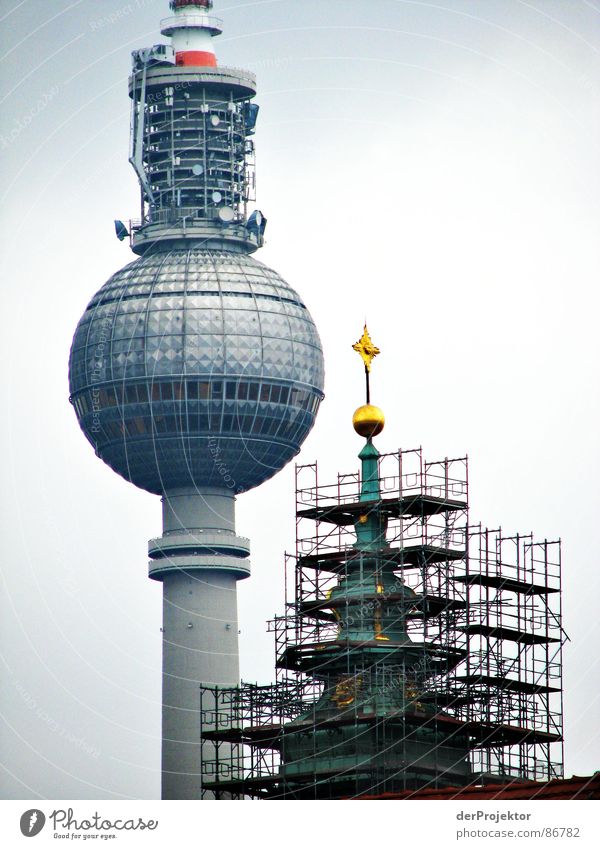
(196, 372)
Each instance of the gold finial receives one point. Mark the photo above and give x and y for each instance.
(366, 349)
(368, 420)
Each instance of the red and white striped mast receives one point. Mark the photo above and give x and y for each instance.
(191, 30)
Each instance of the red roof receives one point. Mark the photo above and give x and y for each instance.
(586, 787)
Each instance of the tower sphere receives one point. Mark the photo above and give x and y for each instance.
(368, 421)
(196, 368)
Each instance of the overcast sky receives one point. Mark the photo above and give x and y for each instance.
(432, 166)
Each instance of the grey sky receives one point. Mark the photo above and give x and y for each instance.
(431, 165)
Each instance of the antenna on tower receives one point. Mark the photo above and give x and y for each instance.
(121, 231)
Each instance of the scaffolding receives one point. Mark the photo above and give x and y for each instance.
(441, 666)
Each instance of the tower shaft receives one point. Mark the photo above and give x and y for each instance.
(199, 560)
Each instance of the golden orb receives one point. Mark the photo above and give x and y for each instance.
(368, 421)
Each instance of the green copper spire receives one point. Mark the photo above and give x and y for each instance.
(368, 421)
(369, 670)
(370, 528)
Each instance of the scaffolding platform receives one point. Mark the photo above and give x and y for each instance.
(426, 605)
(511, 585)
(409, 557)
(410, 506)
(302, 658)
(516, 636)
(501, 683)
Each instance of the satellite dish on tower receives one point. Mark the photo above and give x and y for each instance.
(217, 197)
(226, 214)
(197, 170)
